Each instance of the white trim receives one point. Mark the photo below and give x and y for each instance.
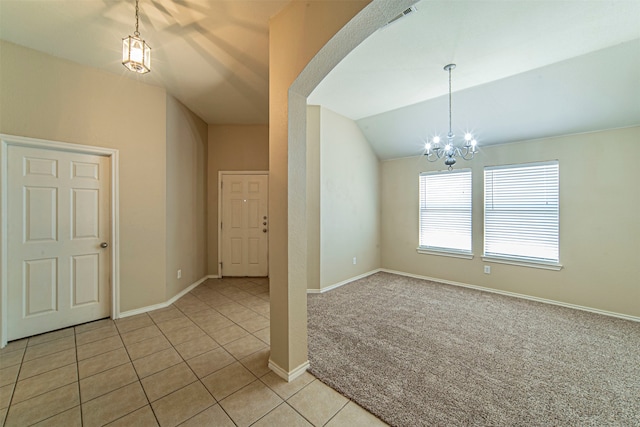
(344, 282)
(113, 154)
(4, 332)
(516, 295)
(115, 234)
(443, 252)
(288, 376)
(220, 173)
(166, 304)
(522, 263)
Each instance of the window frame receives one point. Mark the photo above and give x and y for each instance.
(439, 250)
(525, 261)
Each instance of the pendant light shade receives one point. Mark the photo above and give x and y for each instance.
(136, 53)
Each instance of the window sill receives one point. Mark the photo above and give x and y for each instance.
(521, 263)
(443, 252)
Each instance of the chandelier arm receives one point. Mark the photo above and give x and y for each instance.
(468, 154)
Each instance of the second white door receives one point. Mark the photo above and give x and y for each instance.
(244, 228)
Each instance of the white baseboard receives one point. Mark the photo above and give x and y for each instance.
(288, 376)
(516, 295)
(166, 303)
(344, 282)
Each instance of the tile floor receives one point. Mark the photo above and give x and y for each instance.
(200, 362)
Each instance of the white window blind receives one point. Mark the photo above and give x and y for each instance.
(521, 212)
(445, 210)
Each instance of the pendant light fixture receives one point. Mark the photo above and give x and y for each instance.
(136, 53)
(466, 149)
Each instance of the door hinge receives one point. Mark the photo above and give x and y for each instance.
(221, 225)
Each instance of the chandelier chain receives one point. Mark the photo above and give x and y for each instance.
(450, 131)
(137, 33)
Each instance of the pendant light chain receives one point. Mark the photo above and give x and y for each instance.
(137, 33)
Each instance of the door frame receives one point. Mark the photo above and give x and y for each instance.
(114, 268)
(220, 175)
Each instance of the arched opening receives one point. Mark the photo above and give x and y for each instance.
(288, 169)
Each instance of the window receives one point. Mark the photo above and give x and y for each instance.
(521, 212)
(445, 211)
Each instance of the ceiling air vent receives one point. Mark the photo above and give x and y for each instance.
(404, 13)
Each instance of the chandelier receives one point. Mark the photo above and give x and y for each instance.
(434, 151)
(136, 53)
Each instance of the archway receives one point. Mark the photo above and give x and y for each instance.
(288, 169)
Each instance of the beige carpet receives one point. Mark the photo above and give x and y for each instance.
(419, 353)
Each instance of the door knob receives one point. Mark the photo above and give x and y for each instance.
(104, 245)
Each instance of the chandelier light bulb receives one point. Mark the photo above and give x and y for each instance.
(468, 136)
(436, 139)
(427, 146)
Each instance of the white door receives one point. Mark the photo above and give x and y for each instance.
(244, 225)
(58, 218)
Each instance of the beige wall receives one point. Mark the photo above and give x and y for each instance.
(349, 200)
(599, 226)
(231, 148)
(45, 97)
(296, 34)
(313, 197)
(186, 197)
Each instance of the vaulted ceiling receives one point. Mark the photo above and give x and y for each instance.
(525, 68)
(211, 55)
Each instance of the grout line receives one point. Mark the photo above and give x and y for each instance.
(284, 402)
(135, 371)
(15, 384)
(339, 410)
(197, 378)
(119, 388)
(218, 402)
(78, 377)
(119, 334)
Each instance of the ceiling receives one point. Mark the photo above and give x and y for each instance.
(525, 68)
(213, 55)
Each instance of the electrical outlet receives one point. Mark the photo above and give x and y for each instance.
(487, 269)
(179, 274)
(355, 260)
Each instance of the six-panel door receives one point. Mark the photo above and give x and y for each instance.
(58, 217)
